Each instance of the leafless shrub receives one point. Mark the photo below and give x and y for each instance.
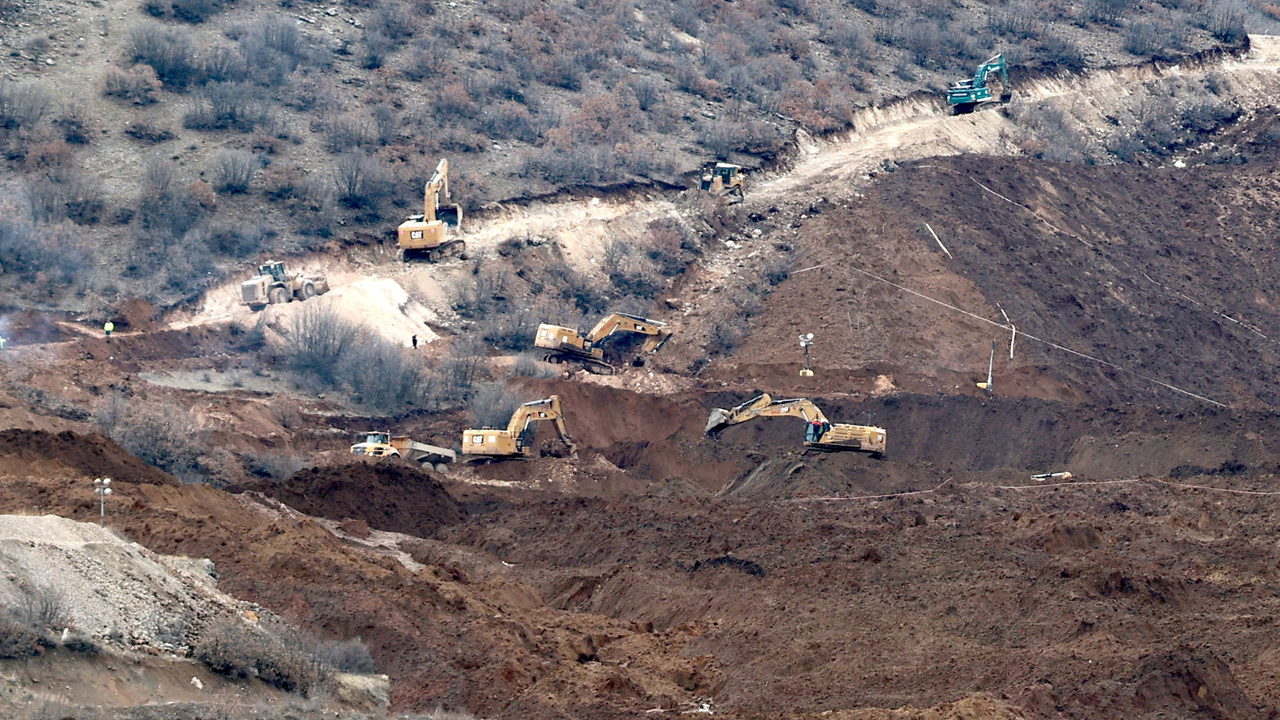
(458, 373)
(232, 170)
(65, 193)
(1143, 38)
(1019, 21)
(319, 339)
(149, 129)
(530, 364)
(511, 330)
(37, 253)
(726, 336)
(577, 288)
(493, 405)
(228, 106)
(77, 123)
(347, 132)
(485, 294)
(923, 40)
(1109, 11)
(168, 50)
(376, 49)
(139, 84)
(42, 608)
(349, 656)
(273, 48)
(1063, 52)
(508, 119)
(166, 203)
(223, 64)
(165, 436)
(1225, 20)
(361, 180)
(647, 91)
(233, 649)
(629, 271)
(22, 105)
(19, 640)
(383, 374)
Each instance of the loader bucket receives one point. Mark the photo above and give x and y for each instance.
(717, 418)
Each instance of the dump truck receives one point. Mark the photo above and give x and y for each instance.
(380, 444)
(569, 345)
(427, 235)
(819, 434)
(964, 95)
(724, 180)
(516, 441)
(273, 285)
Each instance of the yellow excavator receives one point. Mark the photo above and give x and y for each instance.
(569, 345)
(426, 235)
(517, 439)
(819, 434)
(724, 180)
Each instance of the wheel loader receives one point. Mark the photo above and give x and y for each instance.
(569, 345)
(516, 441)
(964, 95)
(724, 180)
(273, 285)
(819, 434)
(380, 444)
(427, 235)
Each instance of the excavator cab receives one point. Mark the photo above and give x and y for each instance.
(814, 431)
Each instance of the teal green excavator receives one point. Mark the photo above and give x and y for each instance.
(965, 95)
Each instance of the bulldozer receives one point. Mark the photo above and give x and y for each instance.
(724, 180)
(964, 95)
(426, 235)
(273, 285)
(569, 345)
(516, 441)
(819, 434)
(380, 444)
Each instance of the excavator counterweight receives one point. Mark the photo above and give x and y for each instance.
(569, 345)
(820, 433)
(517, 439)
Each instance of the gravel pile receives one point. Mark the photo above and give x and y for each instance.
(116, 591)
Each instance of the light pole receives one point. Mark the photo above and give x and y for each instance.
(805, 341)
(102, 486)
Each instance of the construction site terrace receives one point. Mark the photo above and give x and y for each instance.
(1110, 328)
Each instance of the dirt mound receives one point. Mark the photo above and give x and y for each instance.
(90, 455)
(386, 496)
(135, 314)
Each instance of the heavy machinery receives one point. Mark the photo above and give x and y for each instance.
(274, 286)
(380, 444)
(427, 235)
(819, 434)
(963, 96)
(568, 345)
(517, 439)
(724, 180)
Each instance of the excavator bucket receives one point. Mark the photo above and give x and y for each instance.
(451, 215)
(717, 418)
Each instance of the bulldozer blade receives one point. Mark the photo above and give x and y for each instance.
(716, 419)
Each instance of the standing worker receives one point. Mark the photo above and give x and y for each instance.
(108, 326)
(415, 341)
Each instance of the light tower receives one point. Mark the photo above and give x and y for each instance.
(805, 341)
(102, 486)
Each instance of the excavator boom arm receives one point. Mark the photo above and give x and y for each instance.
(621, 322)
(765, 406)
(439, 183)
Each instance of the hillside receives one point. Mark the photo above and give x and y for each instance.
(153, 148)
(1119, 220)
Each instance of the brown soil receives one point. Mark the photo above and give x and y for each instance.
(91, 455)
(386, 496)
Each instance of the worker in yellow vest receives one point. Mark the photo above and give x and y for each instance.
(108, 327)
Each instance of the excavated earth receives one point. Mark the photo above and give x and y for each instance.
(664, 572)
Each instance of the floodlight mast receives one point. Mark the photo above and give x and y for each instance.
(102, 487)
(805, 341)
